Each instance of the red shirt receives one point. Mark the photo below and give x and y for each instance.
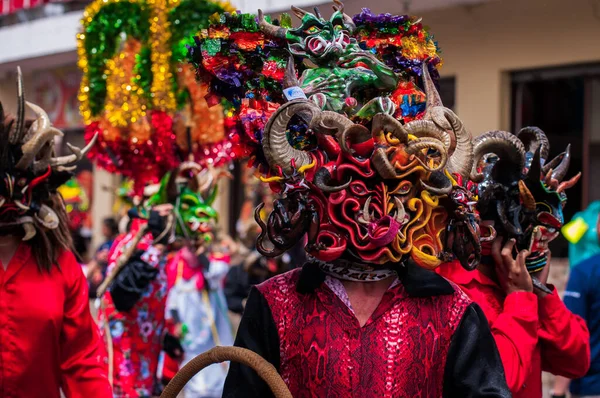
(48, 339)
(531, 334)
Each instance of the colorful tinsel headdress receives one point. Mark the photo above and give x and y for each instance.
(29, 168)
(370, 166)
(521, 192)
(139, 96)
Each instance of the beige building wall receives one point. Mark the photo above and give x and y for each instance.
(482, 44)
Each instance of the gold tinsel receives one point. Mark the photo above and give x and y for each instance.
(206, 124)
(163, 97)
(125, 103)
(88, 15)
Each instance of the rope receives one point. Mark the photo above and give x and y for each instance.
(109, 343)
(220, 354)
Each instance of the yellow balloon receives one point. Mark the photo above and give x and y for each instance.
(575, 230)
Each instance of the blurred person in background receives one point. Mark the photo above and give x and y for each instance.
(48, 339)
(96, 268)
(197, 310)
(582, 296)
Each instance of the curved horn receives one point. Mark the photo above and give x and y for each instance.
(382, 164)
(323, 178)
(356, 133)
(427, 128)
(440, 184)
(276, 147)
(348, 21)
(29, 229)
(534, 138)
(568, 184)
(289, 78)
(299, 12)
(17, 133)
(561, 170)
(66, 163)
(332, 123)
(428, 143)
(383, 123)
(461, 152)
(433, 97)
(41, 123)
(47, 217)
(504, 144)
(270, 29)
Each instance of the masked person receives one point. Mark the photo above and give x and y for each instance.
(359, 159)
(580, 296)
(133, 309)
(196, 306)
(48, 339)
(521, 198)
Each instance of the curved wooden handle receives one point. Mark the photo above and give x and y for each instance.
(220, 354)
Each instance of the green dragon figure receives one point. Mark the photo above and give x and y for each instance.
(341, 76)
(192, 191)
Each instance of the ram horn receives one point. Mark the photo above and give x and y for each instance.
(270, 29)
(331, 123)
(460, 160)
(356, 133)
(323, 178)
(427, 128)
(384, 123)
(504, 144)
(439, 184)
(277, 149)
(414, 147)
(534, 138)
(382, 164)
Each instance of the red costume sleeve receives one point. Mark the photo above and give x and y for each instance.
(515, 331)
(564, 337)
(83, 374)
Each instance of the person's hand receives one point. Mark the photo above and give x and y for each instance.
(512, 272)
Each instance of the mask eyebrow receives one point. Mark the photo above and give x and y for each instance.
(191, 198)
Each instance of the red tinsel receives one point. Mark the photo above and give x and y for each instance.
(143, 161)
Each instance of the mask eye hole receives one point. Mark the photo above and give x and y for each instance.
(312, 30)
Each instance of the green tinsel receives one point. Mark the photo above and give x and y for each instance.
(187, 19)
(102, 41)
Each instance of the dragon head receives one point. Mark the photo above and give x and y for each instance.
(320, 40)
(192, 190)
